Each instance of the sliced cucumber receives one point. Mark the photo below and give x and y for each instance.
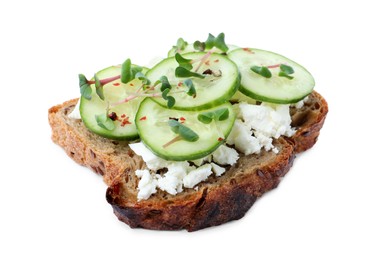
(275, 89)
(211, 91)
(240, 97)
(115, 91)
(155, 132)
(190, 48)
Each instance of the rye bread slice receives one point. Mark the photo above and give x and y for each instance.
(217, 200)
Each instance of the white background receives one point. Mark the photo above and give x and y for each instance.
(51, 208)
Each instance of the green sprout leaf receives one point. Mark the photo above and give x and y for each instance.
(220, 42)
(126, 72)
(183, 131)
(105, 122)
(139, 75)
(99, 87)
(210, 42)
(182, 62)
(84, 87)
(181, 44)
(205, 118)
(165, 89)
(217, 115)
(191, 89)
(263, 71)
(182, 72)
(199, 46)
(285, 71)
(165, 93)
(164, 83)
(285, 75)
(171, 101)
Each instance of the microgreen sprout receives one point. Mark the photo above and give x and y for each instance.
(180, 45)
(105, 122)
(211, 42)
(262, 71)
(183, 133)
(216, 115)
(285, 71)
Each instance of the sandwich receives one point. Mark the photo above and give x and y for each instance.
(193, 141)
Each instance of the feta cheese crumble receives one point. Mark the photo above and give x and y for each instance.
(75, 114)
(179, 175)
(257, 125)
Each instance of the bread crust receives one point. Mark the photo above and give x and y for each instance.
(216, 201)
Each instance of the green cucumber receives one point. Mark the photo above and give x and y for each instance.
(190, 48)
(210, 91)
(155, 132)
(115, 91)
(275, 89)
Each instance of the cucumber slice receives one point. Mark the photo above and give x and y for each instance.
(190, 48)
(210, 91)
(152, 123)
(276, 89)
(115, 91)
(239, 97)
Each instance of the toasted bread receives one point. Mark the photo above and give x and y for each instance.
(216, 200)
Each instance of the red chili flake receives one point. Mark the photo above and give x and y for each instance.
(131, 84)
(182, 119)
(248, 50)
(116, 84)
(179, 84)
(217, 60)
(143, 118)
(207, 63)
(220, 139)
(125, 121)
(123, 116)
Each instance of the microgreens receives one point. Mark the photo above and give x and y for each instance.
(165, 89)
(84, 87)
(129, 72)
(217, 115)
(105, 122)
(285, 71)
(183, 133)
(182, 72)
(263, 71)
(191, 89)
(99, 87)
(180, 45)
(212, 41)
(182, 62)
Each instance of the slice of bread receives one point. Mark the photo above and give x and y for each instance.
(217, 200)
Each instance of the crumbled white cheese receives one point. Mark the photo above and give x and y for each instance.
(225, 155)
(242, 137)
(196, 176)
(152, 161)
(217, 169)
(264, 123)
(172, 180)
(75, 114)
(147, 184)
